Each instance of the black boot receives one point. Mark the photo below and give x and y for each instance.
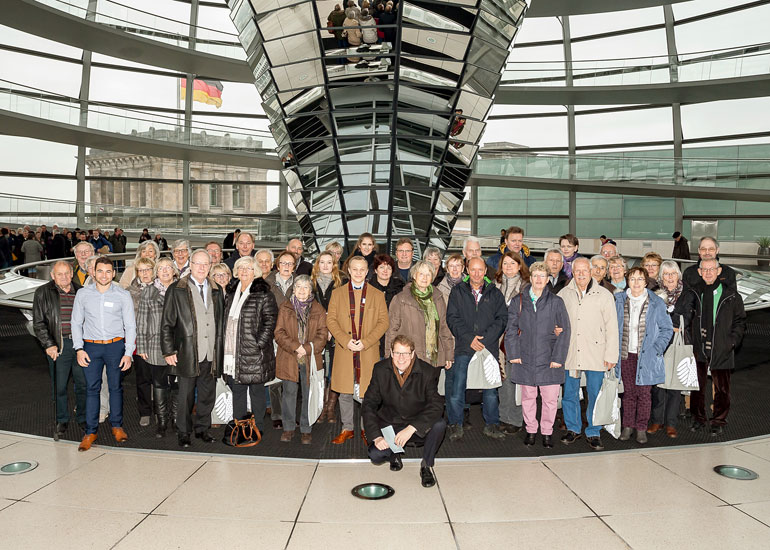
(161, 398)
(173, 405)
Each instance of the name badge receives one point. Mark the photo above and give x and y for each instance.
(108, 304)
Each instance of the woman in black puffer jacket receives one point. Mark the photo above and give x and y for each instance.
(250, 317)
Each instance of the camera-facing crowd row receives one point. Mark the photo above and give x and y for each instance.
(381, 331)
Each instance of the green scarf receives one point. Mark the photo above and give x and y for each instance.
(428, 306)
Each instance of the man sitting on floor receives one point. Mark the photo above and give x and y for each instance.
(403, 394)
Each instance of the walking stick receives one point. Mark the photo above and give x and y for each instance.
(55, 403)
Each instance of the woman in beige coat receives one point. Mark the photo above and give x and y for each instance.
(349, 341)
(408, 317)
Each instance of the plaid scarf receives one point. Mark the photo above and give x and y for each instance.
(302, 309)
(428, 307)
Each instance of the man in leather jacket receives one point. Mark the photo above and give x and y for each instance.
(191, 341)
(52, 311)
(714, 311)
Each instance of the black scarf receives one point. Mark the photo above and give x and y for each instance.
(707, 316)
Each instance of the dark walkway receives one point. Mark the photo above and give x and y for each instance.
(26, 406)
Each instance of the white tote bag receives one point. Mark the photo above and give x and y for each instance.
(483, 372)
(315, 397)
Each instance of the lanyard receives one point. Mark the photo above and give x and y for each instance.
(357, 332)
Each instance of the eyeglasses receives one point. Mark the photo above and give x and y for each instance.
(401, 353)
(220, 275)
(145, 270)
(286, 264)
(711, 249)
(242, 268)
(708, 269)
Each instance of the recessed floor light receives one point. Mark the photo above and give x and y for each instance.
(736, 472)
(18, 467)
(373, 491)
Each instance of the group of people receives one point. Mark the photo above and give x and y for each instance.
(382, 329)
(27, 245)
(363, 23)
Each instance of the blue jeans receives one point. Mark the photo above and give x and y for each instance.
(570, 402)
(456, 378)
(104, 356)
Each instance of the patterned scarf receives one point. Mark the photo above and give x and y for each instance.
(510, 287)
(302, 309)
(626, 322)
(428, 306)
(451, 281)
(323, 281)
(671, 296)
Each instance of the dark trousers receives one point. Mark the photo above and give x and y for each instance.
(637, 400)
(143, 372)
(160, 377)
(104, 356)
(65, 365)
(721, 380)
(665, 406)
(258, 401)
(207, 388)
(431, 442)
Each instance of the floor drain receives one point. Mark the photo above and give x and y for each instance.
(373, 491)
(736, 472)
(19, 467)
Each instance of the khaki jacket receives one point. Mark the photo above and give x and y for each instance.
(594, 323)
(375, 323)
(407, 318)
(287, 337)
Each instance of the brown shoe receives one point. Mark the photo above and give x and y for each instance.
(307, 439)
(343, 437)
(671, 432)
(286, 437)
(119, 434)
(654, 428)
(86, 443)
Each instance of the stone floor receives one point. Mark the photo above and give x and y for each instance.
(125, 498)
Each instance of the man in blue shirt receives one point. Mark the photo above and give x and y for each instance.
(103, 335)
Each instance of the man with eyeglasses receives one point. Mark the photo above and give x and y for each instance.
(191, 342)
(708, 249)
(402, 394)
(404, 257)
(282, 286)
(103, 336)
(714, 311)
(181, 251)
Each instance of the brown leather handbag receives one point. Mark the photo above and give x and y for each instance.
(242, 433)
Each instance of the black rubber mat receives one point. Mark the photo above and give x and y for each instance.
(26, 407)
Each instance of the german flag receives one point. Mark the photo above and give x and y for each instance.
(205, 91)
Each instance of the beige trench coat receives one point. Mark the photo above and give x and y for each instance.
(594, 334)
(374, 325)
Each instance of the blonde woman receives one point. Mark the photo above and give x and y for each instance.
(148, 249)
(617, 273)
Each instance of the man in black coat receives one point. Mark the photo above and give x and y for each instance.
(52, 312)
(403, 394)
(681, 247)
(302, 266)
(718, 323)
(708, 249)
(477, 316)
(192, 343)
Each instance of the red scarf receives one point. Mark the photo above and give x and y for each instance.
(357, 332)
